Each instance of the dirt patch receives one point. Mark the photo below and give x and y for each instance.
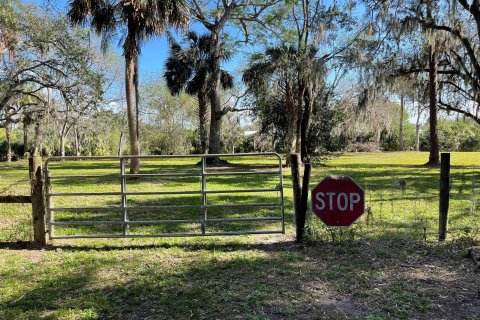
(8, 223)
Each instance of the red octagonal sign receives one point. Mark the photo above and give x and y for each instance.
(338, 201)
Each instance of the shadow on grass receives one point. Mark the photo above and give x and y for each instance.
(209, 246)
(355, 279)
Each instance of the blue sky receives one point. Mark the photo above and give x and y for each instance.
(154, 51)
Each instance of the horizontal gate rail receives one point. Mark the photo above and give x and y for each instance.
(186, 206)
(72, 223)
(75, 209)
(124, 207)
(84, 176)
(238, 173)
(141, 175)
(77, 194)
(137, 193)
(173, 235)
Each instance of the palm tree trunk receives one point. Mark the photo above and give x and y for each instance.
(132, 127)
(137, 99)
(202, 118)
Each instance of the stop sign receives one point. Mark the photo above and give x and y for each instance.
(338, 201)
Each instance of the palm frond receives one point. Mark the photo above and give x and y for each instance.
(188, 67)
(258, 72)
(226, 80)
(145, 18)
(196, 83)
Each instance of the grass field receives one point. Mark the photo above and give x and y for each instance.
(387, 266)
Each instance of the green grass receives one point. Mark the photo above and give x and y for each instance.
(382, 268)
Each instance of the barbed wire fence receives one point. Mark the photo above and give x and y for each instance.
(401, 203)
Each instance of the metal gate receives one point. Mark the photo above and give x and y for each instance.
(255, 179)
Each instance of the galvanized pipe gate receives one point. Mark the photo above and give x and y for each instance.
(126, 210)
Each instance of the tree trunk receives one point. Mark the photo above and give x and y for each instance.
(298, 130)
(308, 109)
(62, 145)
(292, 121)
(299, 110)
(25, 137)
(202, 119)
(77, 142)
(215, 126)
(417, 136)
(120, 144)
(132, 127)
(400, 134)
(434, 157)
(137, 100)
(215, 105)
(417, 128)
(63, 136)
(8, 136)
(37, 143)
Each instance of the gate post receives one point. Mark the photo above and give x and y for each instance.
(38, 200)
(444, 196)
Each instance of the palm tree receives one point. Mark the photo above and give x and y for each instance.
(294, 76)
(275, 72)
(140, 20)
(188, 69)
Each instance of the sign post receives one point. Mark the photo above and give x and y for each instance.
(338, 201)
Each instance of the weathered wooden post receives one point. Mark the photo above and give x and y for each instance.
(444, 196)
(38, 200)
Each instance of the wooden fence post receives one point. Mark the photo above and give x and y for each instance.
(444, 196)
(38, 200)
